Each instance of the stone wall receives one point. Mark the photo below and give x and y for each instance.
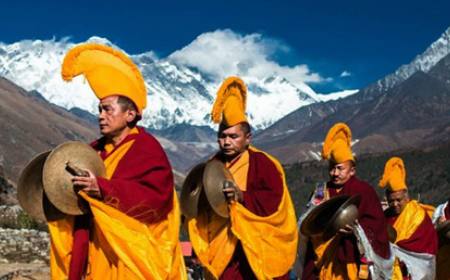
(24, 245)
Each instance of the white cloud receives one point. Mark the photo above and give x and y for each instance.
(223, 53)
(345, 73)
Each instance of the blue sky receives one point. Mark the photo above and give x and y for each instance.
(347, 43)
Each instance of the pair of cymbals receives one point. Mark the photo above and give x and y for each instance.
(204, 185)
(45, 189)
(330, 216)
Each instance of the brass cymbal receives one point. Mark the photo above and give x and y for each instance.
(56, 177)
(30, 191)
(331, 215)
(190, 192)
(214, 178)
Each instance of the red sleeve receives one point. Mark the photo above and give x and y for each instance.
(80, 247)
(423, 240)
(142, 184)
(373, 221)
(264, 185)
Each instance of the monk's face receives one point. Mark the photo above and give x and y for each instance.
(397, 200)
(340, 173)
(112, 119)
(233, 141)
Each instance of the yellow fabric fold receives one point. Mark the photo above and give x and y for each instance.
(397, 271)
(239, 170)
(61, 241)
(429, 209)
(213, 241)
(125, 248)
(406, 225)
(128, 249)
(327, 262)
(269, 243)
(211, 235)
(409, 220)
(121, 247)
(113, 159)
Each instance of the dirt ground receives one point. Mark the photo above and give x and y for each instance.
(28, 271)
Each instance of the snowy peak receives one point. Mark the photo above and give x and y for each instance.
(336, 95)
(177, 93)
(423, 62)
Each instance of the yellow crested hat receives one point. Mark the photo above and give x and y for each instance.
(108, 71)
(337, 145)
(394, 176)
(229, 107)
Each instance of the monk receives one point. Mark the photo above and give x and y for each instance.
(414, 228)
(339, 257)
(133, 208)
(440, 218)
(259, 240)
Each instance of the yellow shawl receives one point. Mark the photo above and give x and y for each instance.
(269, 243)
(121, 247)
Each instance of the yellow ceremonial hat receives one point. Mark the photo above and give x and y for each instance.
(229, 107)
(108, 71)
(394, 176)
(337, 145)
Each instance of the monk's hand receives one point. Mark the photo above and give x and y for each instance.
(346, 230)
(232, 192)
(87, 184)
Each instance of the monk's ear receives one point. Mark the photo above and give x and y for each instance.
(131, 115)
(352, 170)
(248, 138)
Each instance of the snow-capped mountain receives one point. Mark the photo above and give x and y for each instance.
(177, 94)
(423, 62)
(337, 95)
(407, 109)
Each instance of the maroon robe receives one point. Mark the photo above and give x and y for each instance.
(141, 187)
(423, 240)
(262, 197)
(371, 219)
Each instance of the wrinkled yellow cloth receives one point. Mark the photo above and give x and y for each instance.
(124, 248)
(121, 247)
(269, 243)
(409, 220)
(239, 170)
(213, 241)
(60, 246)
(406, 225)
(327, 262)
(429, 209)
